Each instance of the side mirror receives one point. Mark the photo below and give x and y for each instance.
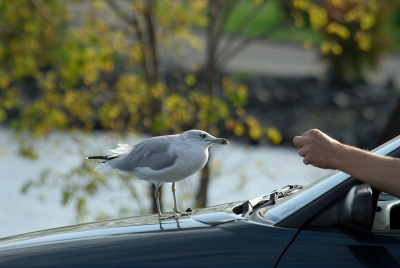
(358, 211)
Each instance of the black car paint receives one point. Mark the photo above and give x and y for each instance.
(246, 243)
(338, 249)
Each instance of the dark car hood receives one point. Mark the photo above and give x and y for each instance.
(199, 218)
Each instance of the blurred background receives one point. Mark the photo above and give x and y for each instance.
(78, 77)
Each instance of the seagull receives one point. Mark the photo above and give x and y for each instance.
(162, 159)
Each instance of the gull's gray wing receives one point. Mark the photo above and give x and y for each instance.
(152, 153)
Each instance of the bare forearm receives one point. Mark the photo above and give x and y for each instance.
(381, 172)
(320, 150)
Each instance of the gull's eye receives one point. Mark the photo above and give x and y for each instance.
(202, 136)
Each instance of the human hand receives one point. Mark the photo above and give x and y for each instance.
(318, 149)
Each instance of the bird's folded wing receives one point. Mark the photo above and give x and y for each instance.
(153, 153)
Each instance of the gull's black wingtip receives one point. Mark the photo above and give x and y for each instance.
(98, 157)
(103, 157)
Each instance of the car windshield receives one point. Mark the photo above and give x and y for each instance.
(316, 189)
(302, 198)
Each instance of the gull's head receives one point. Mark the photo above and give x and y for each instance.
(202, 137)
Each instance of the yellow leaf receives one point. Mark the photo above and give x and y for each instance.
(239, 130)
(351, 15)
(367, 21)
(230, 123)
(255, 132)
(190, 80)
(274, 135)
(308, 43)
(318, 16)
(240, 111)
(2, 115)
(363, 40)
(301, 4)
(338, 29)
(325, 47)
(337, 49)
(298, 21)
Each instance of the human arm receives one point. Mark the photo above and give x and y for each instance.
(320, 150)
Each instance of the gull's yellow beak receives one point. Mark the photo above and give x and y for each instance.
(221, 141)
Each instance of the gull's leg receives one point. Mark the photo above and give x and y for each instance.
(173, 193)
(177, 222)
(157, 196)
(159, 221)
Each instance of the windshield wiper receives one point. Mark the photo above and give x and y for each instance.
(268, 200)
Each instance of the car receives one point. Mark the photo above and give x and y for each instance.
(335, 221)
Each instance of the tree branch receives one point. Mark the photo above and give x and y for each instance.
(226, 57)
(149, 20)
(132, 21)
(37, 5)
(212, 31)
(123, 15)
(243, 23)
(225, 10)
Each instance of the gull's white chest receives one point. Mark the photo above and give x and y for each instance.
(191, 159)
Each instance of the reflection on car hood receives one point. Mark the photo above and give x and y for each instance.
(199, 218)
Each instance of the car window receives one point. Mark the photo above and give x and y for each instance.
(387, 215)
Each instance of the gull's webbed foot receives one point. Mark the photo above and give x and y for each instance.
(177, 211)
(162, 217)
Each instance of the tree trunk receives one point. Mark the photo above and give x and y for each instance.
(201, 198)
(152, 77)
(210, 83)
(145, 31)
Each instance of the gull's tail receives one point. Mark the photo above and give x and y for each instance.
(107, 162)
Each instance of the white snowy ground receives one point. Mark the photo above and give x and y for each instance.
(239, 173)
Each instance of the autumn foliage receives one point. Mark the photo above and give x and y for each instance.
(353, 29)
